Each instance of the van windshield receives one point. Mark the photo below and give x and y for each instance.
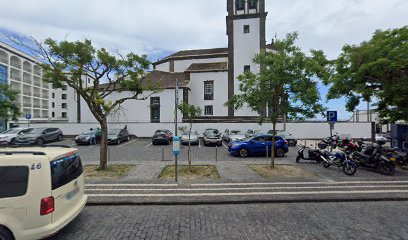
(65, 170)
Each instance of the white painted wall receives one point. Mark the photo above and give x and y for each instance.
(164, 67)
(134, 111)
(220, 91)
(245, 48)
(182, 65)
(300, 130)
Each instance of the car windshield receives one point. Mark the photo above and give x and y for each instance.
(12, 131)
(236, 133)
(37, 130)
(87, 132)
(114, 132)
(212, 132)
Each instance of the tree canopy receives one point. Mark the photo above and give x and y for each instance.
(375, 69)
(286, 84)
(8, 104)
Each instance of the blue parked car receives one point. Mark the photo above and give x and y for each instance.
(257, 146)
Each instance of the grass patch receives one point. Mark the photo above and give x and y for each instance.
(193, 172)
(280, 171)
(112, 172)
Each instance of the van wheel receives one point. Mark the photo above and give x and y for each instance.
(5, 234)
(40, 142)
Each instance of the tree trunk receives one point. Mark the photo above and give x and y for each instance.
(273, 145)
(103, 157)
(189, 145)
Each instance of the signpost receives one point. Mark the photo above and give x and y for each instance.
(332, 119)
(176, 139)
(28, 117)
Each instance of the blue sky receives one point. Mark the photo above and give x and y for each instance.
(161, 27)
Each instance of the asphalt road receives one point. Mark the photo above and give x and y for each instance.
(374, 220)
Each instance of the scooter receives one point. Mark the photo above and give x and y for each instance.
(339, 160)
(308, 154)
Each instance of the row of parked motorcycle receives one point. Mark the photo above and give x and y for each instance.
(349, 155)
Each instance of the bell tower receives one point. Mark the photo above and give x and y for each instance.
(246, 22)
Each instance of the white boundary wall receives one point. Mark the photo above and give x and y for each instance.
(301, 130)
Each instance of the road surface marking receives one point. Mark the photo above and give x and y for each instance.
(148, 145)
(247, 193)
(292, 183)
(224, 145)
(129, 142)
(228, 189)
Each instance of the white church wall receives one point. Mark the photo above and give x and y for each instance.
(164, 67)
(245, 48)
(134, 111)
(220, 91)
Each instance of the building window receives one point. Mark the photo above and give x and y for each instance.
(64, 115)
(53, 95)
(240, 5)
(64, 87)
(246, 29)
(89, 81)
(64, 105)
(209, 90)
(252, 4)
(3, 74)
(53, 104)
(208, 110)
(247, 68)
(64, 96)
(53, 114)
(155, 109)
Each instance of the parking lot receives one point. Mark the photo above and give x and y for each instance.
(144, 150)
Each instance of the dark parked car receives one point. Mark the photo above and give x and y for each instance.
(162, 137)
(212, 137)
(257, 146)
(116, 136)
(39, 136)
(84, 138)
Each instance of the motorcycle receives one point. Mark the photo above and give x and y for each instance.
(376, 160)
(340, 160)
(308, 154)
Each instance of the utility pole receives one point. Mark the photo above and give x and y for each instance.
(175, 124)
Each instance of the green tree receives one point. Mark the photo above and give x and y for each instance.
(190, 112)
(70, 62)
(8, 104)
(374, 70)
(286, 84)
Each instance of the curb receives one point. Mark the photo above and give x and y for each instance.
(241, 202)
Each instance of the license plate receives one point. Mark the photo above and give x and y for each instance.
(71, 194)
(393, 159)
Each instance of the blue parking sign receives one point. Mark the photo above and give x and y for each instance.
(332, 116)
(28, 116)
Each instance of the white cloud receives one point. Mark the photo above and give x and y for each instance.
(147, 26)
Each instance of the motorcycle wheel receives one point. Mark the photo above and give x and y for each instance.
(349, 170)
(326, 164)
(298, 158)
(386, 169)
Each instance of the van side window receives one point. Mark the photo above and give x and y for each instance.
(13, 181)
(65, 170)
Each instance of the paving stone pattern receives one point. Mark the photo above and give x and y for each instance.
(376, 220)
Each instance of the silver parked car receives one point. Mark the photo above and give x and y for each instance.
(8, 137)
(39, 136)
(212, 137)
(233, 135)
(193, 137)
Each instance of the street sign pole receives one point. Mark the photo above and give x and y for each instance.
(332, 119)
(28, 117)
(176, 139)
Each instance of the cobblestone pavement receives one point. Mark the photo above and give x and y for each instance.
(375, 220)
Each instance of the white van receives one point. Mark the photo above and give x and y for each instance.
(41, 191)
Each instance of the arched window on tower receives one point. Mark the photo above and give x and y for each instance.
(240, 5)
(253, 4)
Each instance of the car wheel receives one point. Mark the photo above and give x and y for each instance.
(118, 142)
(280, 152)
(128, 138)
(60, 138)
(12, 141)
(243, 153)
(153, 142)
(40, 142)
(5, 234)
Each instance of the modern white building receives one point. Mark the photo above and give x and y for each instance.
(208, 77)
(24, 75)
